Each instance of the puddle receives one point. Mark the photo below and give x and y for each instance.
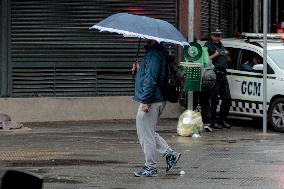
(60, 180)
(59, 162)
(218, 178)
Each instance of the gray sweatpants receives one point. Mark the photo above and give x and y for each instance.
(146, 130)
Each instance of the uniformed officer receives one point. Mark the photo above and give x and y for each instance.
(218, 55)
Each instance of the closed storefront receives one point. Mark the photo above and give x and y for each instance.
(215, 14)
(50, 50)
(277, 16)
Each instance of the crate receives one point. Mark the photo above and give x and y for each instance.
(193, 76)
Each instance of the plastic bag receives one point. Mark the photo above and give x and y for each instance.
(189, 123)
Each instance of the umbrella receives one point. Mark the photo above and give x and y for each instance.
(141, 27)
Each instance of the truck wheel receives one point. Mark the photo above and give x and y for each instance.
(275, 115)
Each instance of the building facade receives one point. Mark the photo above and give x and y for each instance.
(53, 68)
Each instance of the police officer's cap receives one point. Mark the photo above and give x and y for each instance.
(216, 32)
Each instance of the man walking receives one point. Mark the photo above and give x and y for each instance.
(150, 74)
(218, 55)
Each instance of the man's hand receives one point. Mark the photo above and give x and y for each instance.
(217, 53)
(135, 67)
(145, 107)
(214, 55)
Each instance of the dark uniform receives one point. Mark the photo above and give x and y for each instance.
(221, 86)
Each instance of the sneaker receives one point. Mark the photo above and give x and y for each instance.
(147, 171)
(225, 124)
(216, 126)
(207, 128)
(172, 159)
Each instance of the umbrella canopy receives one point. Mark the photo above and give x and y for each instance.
(141, 27)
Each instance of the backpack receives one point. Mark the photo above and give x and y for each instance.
(172, 86)
(208, 79)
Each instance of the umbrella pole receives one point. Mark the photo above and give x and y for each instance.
(134, 69)
(138, 50)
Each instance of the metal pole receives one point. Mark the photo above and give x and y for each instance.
(190, 20)
(190, 38)
(242, 16)
(265, 18)
(276, 12)
(269, 16)
(256, 16)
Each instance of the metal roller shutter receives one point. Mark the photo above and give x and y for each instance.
(216, 14)
(53, 53)
(1, 46)
(205, 19)
(226, 21)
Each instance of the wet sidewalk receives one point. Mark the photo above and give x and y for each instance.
(104, 154)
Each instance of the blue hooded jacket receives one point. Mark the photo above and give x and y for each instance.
(151, 73)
